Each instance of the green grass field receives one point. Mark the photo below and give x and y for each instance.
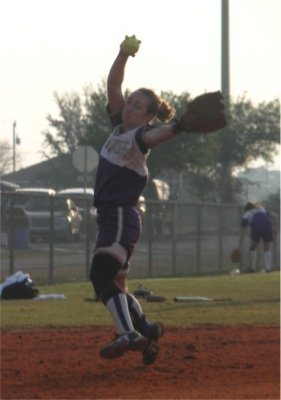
(246, 299)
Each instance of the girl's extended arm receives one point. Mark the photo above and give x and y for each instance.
(114, 83)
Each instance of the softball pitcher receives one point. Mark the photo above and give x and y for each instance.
(120, 179)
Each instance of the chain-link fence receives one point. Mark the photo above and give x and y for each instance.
(178, 239)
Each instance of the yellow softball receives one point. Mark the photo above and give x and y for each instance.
(130, 45)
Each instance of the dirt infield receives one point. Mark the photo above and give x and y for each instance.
(194, 363)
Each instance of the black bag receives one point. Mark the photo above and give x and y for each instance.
(20, 290)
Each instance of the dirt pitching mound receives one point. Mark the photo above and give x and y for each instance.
(194, 363)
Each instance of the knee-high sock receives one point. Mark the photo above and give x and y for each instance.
(139, 319)
(267, 260)
(119, 310)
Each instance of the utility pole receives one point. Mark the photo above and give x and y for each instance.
(225, 85)
(14, 146)
(226, 190)
(16, 140)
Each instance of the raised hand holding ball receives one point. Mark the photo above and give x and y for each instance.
(130, 45)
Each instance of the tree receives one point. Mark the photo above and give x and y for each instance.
(96, 122)
(6, 158)
(67, 131)
(273, 201)
(252, 133)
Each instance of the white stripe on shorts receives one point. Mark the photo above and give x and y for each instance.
(119, 224)
(116, 249)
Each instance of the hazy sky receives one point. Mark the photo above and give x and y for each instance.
(60, 46)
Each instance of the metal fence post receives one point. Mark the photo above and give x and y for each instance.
(10, 240)
(198, 239)
(149, 238)
(51, 241)
(174, 239)
(220, 235)
(88, 234)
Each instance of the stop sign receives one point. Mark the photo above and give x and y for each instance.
(85, 158)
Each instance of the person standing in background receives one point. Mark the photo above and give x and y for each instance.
(262, 224)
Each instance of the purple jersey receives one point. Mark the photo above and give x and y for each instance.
(122, 171)
(260, 222)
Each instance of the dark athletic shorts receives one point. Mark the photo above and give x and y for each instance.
(119, 231)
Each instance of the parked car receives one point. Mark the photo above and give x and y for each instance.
(67, 218)
(6, 186)
(83, 198)
(23, 195)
